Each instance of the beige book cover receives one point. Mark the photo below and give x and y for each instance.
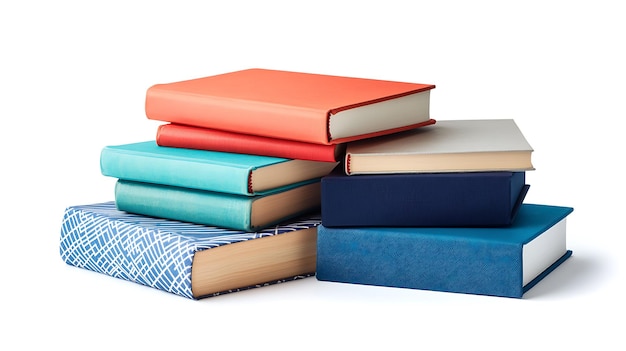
(446, 146)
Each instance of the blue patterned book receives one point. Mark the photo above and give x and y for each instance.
(498, 261)
(240, 212)
(189, 260)
(422, 199)
(240, 174)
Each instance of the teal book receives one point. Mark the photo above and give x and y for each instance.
(496, 261)
(232, 173)
(240, 212)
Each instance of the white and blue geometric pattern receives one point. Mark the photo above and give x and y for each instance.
(151, 251)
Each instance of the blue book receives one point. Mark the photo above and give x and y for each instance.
(498, 261)
(249, 213)
(240, 174)
(462, 199)
(190, 260)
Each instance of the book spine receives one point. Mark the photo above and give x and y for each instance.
(175, 135)
(399, 257)
(175, 172)
(126, 251)
(236, 115)
(183, 204)
(428, 199)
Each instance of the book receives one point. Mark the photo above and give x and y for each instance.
(454, 199)
(448, 146)
(186, 259)
(182, 136)
(497, 261)
(307, 107)
(207, 170)
(214, 208)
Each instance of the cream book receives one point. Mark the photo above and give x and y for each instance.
(447, 146)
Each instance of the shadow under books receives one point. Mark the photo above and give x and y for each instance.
(577, 274)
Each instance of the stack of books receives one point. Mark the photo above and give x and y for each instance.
(240, 157)
(230, 190)
(258, 177)
(439, 208)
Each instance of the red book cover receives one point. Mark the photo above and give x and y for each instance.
(182, 136)
(306, 107)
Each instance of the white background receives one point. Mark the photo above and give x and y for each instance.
(73, 77)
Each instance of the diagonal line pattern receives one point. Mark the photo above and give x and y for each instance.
(151, 251)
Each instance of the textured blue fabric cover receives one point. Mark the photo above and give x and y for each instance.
(486, 261)
(422, 199)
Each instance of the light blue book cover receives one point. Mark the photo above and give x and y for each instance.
(233, 173)
(238, 212)
(154, 252)
(497, 261)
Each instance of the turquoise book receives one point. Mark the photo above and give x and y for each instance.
(232, 173)
(189, 260)
(496, 261)
(240, 212)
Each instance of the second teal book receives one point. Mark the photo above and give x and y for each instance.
(249, 213)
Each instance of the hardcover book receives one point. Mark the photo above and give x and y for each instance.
(207, 170)
(181, 136)
(498, 261)
(422, 199)
(190, 260)
(249, 213)
(448, 146)
(307, 107)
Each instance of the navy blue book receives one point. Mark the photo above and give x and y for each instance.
(465, 199)
(496, 261)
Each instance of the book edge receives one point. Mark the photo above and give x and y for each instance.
(546, 272)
